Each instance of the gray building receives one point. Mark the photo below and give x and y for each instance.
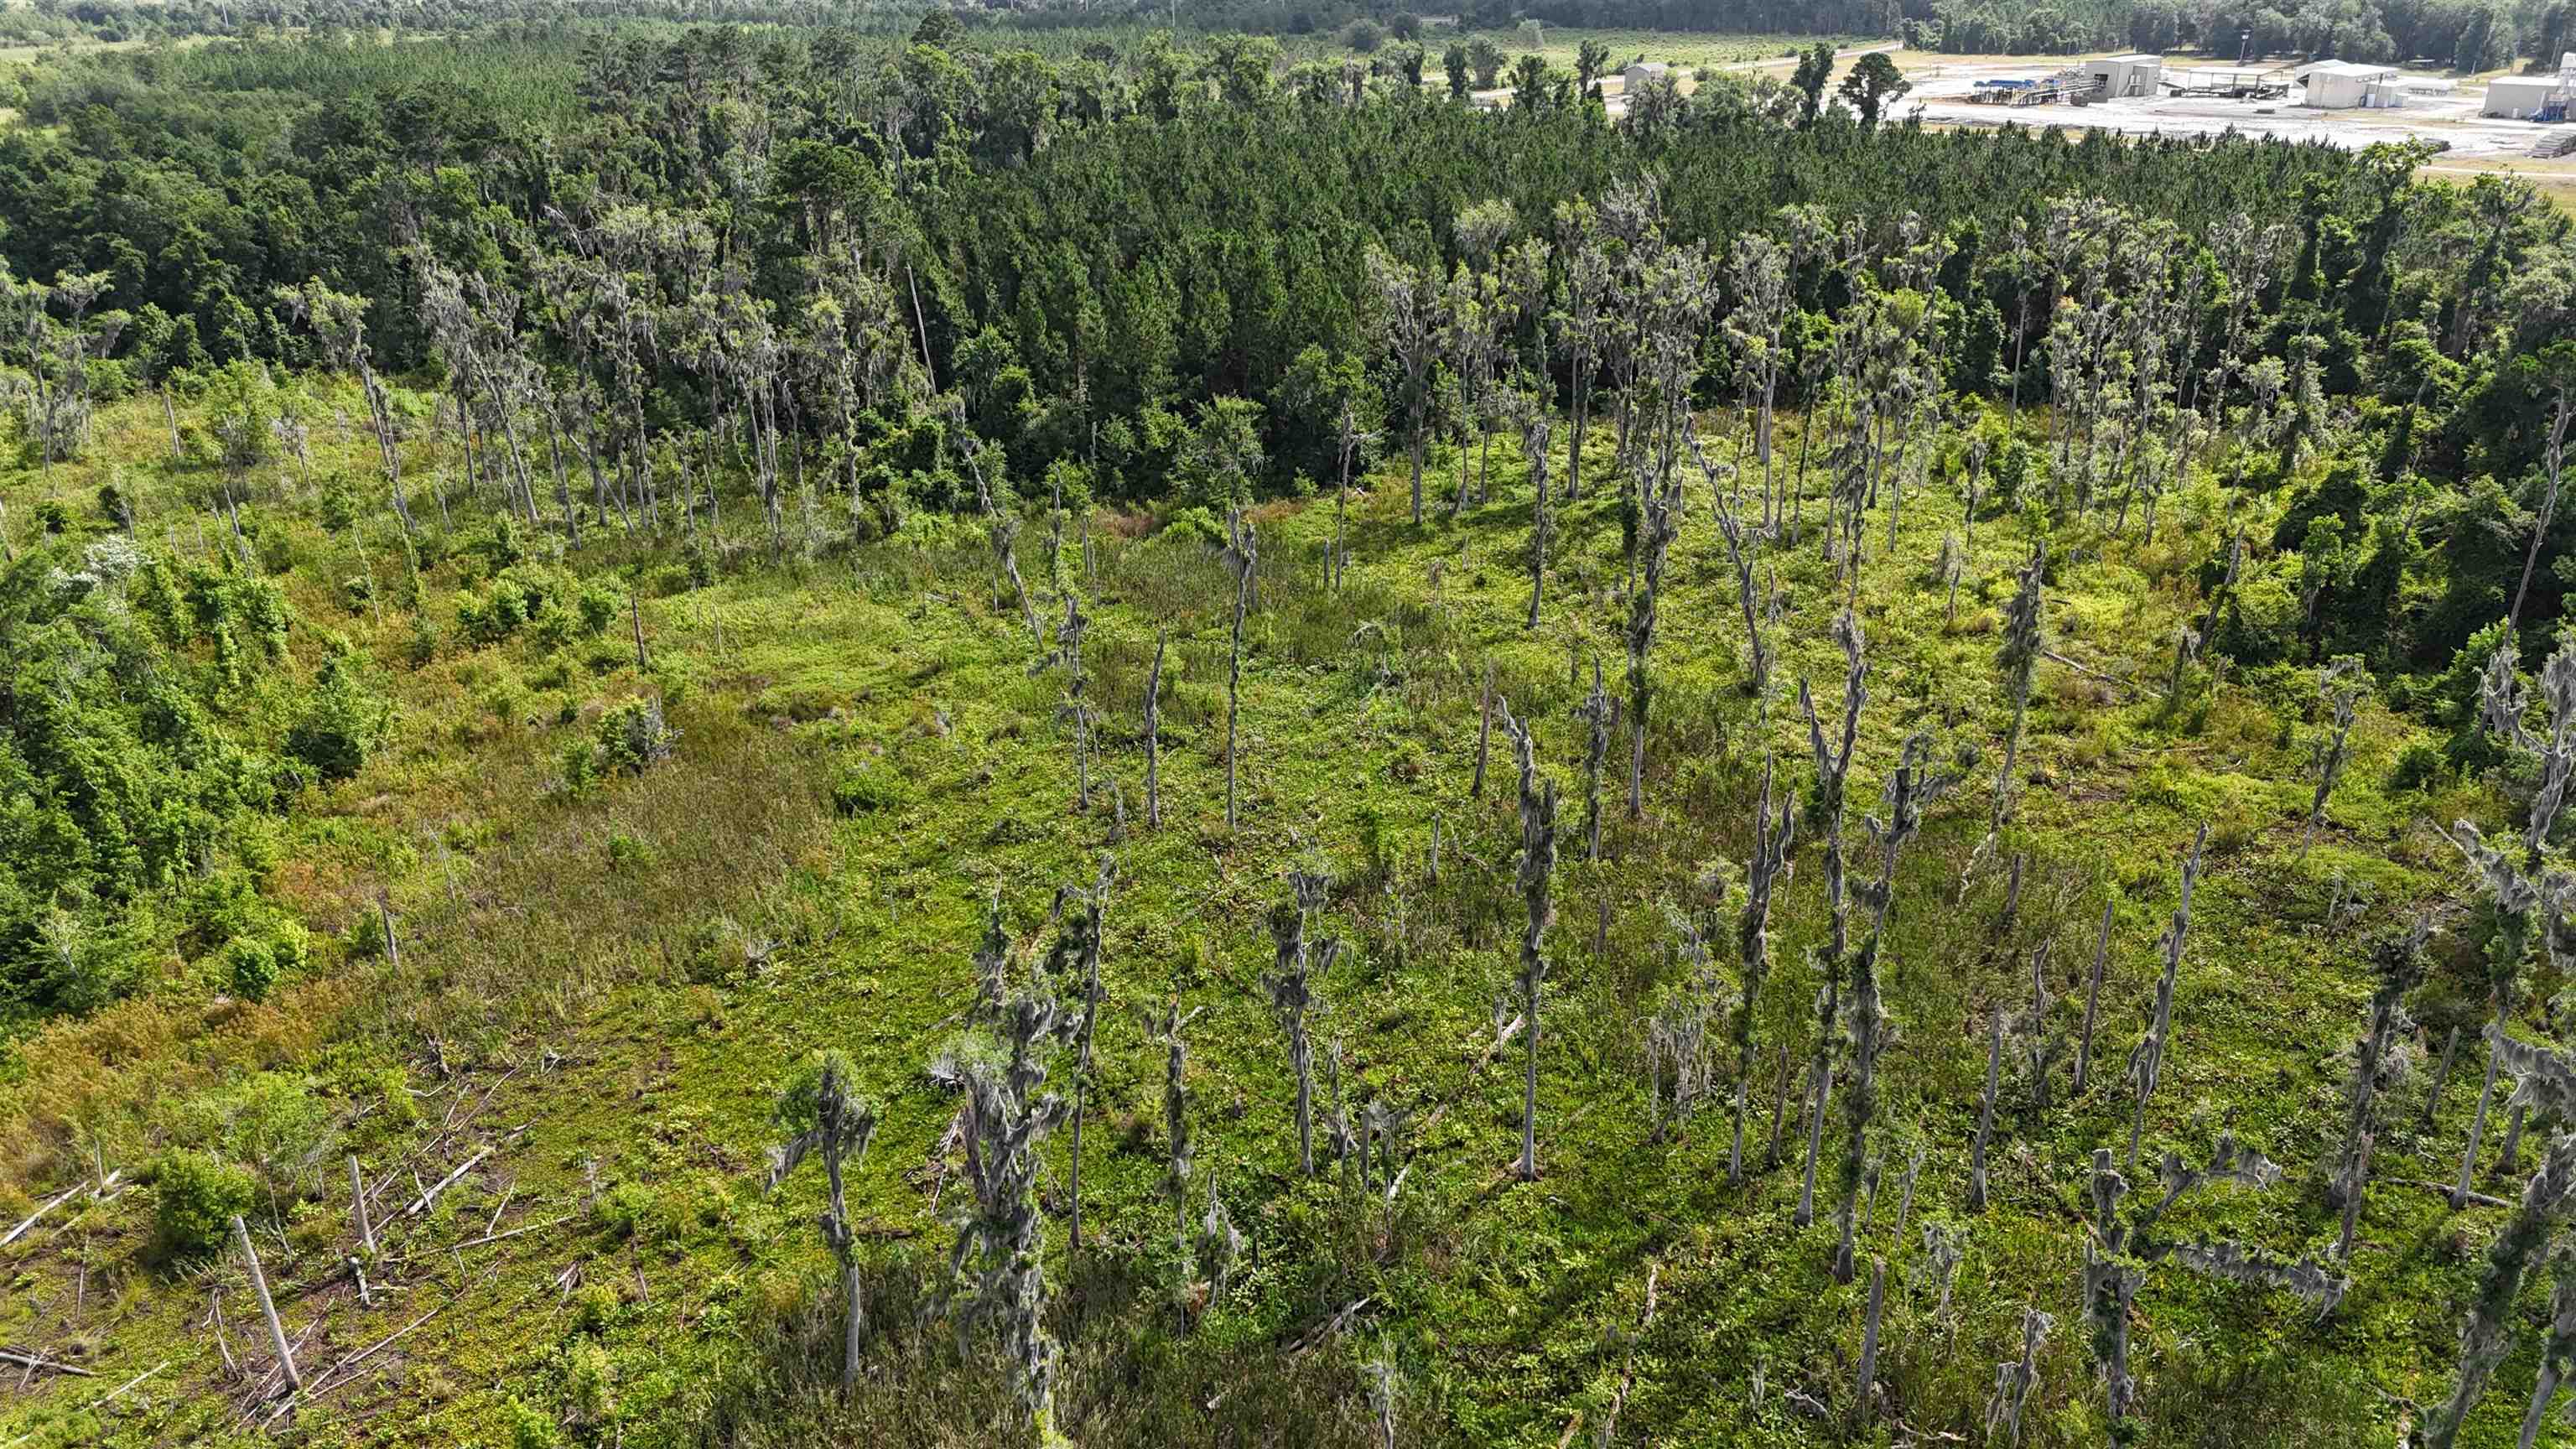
(2126, 77)
(2343, 85)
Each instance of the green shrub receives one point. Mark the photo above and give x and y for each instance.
(341, 725)
(580, 768)
(596, 1308)
(420, 649)
(861, 790)
(250, 968)
(530, 1427)
(2419, 767)
(337, 508)
(598, 608)
(626, 853)
(633, 738)
(393, 1095)
(632, 1210)
(194, 1200)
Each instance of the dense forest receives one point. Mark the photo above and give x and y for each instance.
(2466, 35)
(1743, 773)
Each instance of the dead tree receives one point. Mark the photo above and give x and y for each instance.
(1484, 737)
(1757, 680)
(2554, 455)
(2024, 639)
(2516, 899)
(1865, 1398)
(1833, 768)
(1245, 556)
(1758, 272)
(1292, 993)
(2336, 748)
(2120, 1248)
(340, 321)
(2488, 1336)
(1681, 1035)
(1534, 438)
(1914, 785)
(2146, 1063)
(2038, 1048)
(2093, 998)
(1944, 1246)
(1660, 521)
(2503, 705)
(1075, 957)
(998, 1265)
(1407, 327)
(1537, 867)
(1154, 736)
(2398, 962)
(1986, 1112)
(2015, 1379)
(267, 1305)
(2557, 1352)
(2110, 1288)
(2515, 893)
(1352, 438)
(1597, 714)
(1762, 874)
(1077, 708)
(1381, 1387)
(1001, 527)
(827, 1116)
(1176, 1130)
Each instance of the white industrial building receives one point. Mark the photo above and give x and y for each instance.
(2343, 85)
(2125, 77)
(1635, 77)
(2525, 97)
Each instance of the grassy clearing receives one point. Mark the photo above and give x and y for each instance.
(605, 989)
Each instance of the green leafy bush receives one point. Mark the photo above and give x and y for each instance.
(250, 968)
(633, 737)
(341, 725)
(862, 790)
(580, 767)
(598, 608)
(2419, 767)
(194, 1200)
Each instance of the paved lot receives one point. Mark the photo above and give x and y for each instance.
(1941, 94)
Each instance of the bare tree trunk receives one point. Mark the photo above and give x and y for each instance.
(1864, 1405)
(2352, 1199)
(2441, 1075)
(1986, 1115)
(1815, 1141)
(856, 1320)
(1484, 733)
(358, 1205)
(267, 1306)
(2477, 1129)
(1153, 737)
(2093, 1000)
(1779, 1107)
(1246, 561)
